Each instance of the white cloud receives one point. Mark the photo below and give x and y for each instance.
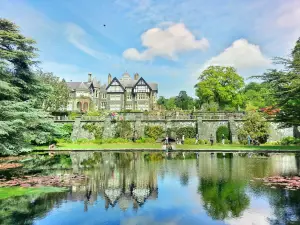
(79, 38)
(241, 55)
(166, 43)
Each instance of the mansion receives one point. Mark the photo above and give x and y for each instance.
(125, 93)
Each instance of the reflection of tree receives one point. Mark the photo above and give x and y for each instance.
(24, 209)
(286, 206)
(184, 178)
(222, 198)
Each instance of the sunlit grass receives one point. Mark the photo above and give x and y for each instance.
(7, 192)
(120, 146)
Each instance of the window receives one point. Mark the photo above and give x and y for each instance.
(103, 105)
(115, 97)
(96, 94)
(143, 107)
(141, 89)
(129, 96)
(129, 106)
(104, 95)
(114, 107)
(142, 96)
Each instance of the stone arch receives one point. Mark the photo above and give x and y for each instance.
(85, 106)
(79, 106)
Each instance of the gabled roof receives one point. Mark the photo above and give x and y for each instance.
(79, 85)
(154, 86)
(115, 79)
(142, 79)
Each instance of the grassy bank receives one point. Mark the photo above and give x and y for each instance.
(7, 192)
(93, 146)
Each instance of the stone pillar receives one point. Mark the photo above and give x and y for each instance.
(199, 128)
(107, 131)
(233, 130)
(138, 127)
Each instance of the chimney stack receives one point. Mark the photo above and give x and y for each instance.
(90, 77)
(136, 76)
(109, 79)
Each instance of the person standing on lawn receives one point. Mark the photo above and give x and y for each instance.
(197, 138)
(182, 140)
(249, 139)
(223, 139)
(211, 140)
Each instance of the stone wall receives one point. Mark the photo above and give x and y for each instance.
(204, 127)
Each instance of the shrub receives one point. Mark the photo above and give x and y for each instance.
(256, 126)
(124, 130)
(201, 142)
(93, 113)
(114, 141)
(73, 115)
(188, 132)
(227, 141)
(82, 140)
(95, 129)
(189, 141)
(222, 130)
(154, 132)
(290, 141)
(206, 141)
(145, 140)
(67, 130)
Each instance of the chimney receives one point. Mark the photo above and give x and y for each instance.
(109, 79)
(90, 77)
(136, 76)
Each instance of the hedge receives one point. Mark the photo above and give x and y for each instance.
(222, 130)
(154, 132)
(188, 132)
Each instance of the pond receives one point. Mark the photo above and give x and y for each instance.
(158, 188)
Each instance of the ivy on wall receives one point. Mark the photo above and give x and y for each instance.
(95, 129)
(188, 132)
(124, 130)
(154, 132)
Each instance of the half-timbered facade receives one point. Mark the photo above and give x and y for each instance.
(126, 93)
(129, 93)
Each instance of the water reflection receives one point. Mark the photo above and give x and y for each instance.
(178, 188)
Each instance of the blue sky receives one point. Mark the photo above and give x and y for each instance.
(169, 42)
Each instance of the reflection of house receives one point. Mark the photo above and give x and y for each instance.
(124, 93)
(116, 185)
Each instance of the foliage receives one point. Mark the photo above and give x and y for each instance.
(93, 113)
(67, 130)
(124, 130)
(290, 141)
(210, 107)
(154, 132)
(73, 115)
(256, 126)
(112, 141)
(286, 86)
(258, 95)
(21, 116)
(221, 85)
(188, 132)
(220, 131)
(183, 101)
(7, 192)
(223, 199)
(95, 129)
(146, 140)
(57, 95)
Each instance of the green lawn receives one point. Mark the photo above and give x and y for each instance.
(7, 192)
(92, 146)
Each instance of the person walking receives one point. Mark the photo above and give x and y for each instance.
(223, 139)
(211, 140)
(182, 140)
(167, 140)
(197, 138)
(249, 139)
